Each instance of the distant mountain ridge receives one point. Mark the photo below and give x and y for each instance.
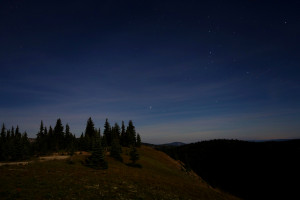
(176, 144)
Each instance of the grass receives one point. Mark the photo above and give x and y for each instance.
(158, 177)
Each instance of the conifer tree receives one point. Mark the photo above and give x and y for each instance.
(59, 135)
(116, 149)
(138, 140)
(123, 135)
(90, 128)
(115, 131)
(69, 140)
(134, 156)
(3, 132)
(90, 134)
(25, 146)
(107, 132)
(81, 143)
(131, 134)
(50, 141)
(97, 159)
(40, 139)
(2, 142)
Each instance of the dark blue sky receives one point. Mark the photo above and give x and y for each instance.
(181, 70)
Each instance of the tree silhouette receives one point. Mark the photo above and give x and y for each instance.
(107, 132)
(116, 149)
(130, 134)
(138, 140)
(97, 159)
(134, 156)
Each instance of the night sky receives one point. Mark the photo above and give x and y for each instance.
(181, 70)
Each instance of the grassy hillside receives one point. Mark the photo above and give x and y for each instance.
(250, 170)
(159, 178)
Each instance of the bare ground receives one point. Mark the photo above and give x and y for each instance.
(41, 159)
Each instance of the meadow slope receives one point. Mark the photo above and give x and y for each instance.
(159, 178)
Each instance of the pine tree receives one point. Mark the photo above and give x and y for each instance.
(138, 140)
(40, 138)
(116, 149)
(11, 150)
(25, 146)
(81, 143)
(50, 141)
(97, 159)
(59, 135)
(131, 134)
(115, 131)
(90, 134)
(2, 142)
(3, 132)
(90, 128)
(123, 135)
(107, 132)
(134, 156)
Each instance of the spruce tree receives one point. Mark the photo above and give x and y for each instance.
(25, 146)
(50, 141)
(3, 132)
(138, 140)
(115, 131)
(2, 142)
(107, 132)
(97, 159)
(81, 143)
(134, 155)
(40, 139)
(116, 149)
(59, 135)
(131, 134)
(90, 128)
(123, 135)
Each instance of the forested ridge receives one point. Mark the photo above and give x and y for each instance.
(15, 146)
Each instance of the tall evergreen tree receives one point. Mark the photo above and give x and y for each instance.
(131, 134)
(90, 128)
(115, 131)
(3, 131)
(2, 142)
(51, 140)
(116, 149)
(138, 140)
(41, 140)
(90, 134)
(97, 159)
(134, 155)
(123, 135)
(26, 150)
(107, 132)
(69, 140)
(58, 135)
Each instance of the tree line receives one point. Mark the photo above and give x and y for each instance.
(16, 146)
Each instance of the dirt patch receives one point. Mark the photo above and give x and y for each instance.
(54, 157)
(14, 163)
(42, 159)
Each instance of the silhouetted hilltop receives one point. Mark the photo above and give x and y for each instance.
(251, 170)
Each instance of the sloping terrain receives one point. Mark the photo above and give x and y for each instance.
(159, 178)
(250, 170)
